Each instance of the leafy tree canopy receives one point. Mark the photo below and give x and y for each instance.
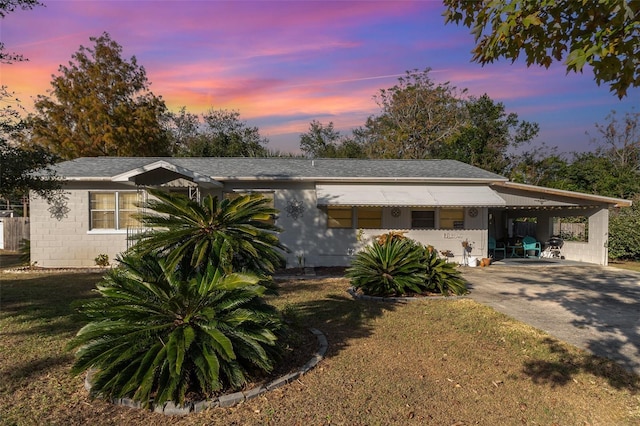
(603, 34)
(100, 104)
(21, 169)
(416, 116)
(325, 142)
(222, 134)
(488, 136)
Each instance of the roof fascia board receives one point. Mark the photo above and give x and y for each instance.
(617, 202)
(162, 164)
(357, 180)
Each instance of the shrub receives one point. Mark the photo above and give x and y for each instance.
(624, 232)
(25, 250)
(392, 268)
(442, 277)
(158, 333)
(102, 260)
(396, 265)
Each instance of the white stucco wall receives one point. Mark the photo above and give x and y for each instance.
(311, 241)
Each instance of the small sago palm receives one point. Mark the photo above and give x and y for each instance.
(232, 234)
(389, 269)
(157, 334)
(441, 276)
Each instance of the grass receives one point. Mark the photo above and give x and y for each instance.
(626, 264)
(440, 362)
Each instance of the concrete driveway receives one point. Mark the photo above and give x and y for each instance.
(592, 307)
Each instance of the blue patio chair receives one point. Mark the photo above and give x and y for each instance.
(495, 247)
(530, 244)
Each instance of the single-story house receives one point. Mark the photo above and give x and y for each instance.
(329, 208)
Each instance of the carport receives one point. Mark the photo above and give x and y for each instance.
(545, 210)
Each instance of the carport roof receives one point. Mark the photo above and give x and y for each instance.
(533, 194)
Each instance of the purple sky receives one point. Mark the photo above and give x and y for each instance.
(283, 64)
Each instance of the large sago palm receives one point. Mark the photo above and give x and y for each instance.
(158, 333)
(233, 234)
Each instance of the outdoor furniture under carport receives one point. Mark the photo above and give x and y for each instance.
(529, 244)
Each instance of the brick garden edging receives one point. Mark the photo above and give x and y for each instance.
(231, 399)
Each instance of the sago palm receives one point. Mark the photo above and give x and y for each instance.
(232, 234)
(442, 276)
(156, 333)
(388, 269)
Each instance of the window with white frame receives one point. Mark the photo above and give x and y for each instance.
(113, 210)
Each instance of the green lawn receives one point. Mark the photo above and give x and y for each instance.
(440, 362)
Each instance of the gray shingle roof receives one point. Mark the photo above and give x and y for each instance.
(283, 168)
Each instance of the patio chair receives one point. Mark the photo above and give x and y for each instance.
(530, 244)
(495, 247)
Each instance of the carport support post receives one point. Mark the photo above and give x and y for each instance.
(599, 234)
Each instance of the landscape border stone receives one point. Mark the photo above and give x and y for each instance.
(354, 294)
(228, 400)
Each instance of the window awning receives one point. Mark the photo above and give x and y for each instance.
(408, 195)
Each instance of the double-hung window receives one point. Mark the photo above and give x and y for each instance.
(112, 210)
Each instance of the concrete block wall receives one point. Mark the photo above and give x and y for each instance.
(67, 241)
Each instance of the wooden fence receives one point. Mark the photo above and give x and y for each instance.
(15, 229)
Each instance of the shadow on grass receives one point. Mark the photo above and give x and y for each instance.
(10, 260)
(563, 370)
(46, 301)
(30, 369)
(337, 315)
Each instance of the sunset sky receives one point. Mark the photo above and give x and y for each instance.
(283, 64)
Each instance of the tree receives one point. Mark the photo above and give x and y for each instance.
(100, 105)
(417, 116)
(603, 34)
(592, 172)
(21, 169)
(320, 141)
(26, 169)
(624, 232)
(325, 142)
(232, 234)
(183, 129)
(488, 136)
(541, 166)
(158, 333)
(6, 7)
(620, 140)
(223, 134)
(613, 168)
